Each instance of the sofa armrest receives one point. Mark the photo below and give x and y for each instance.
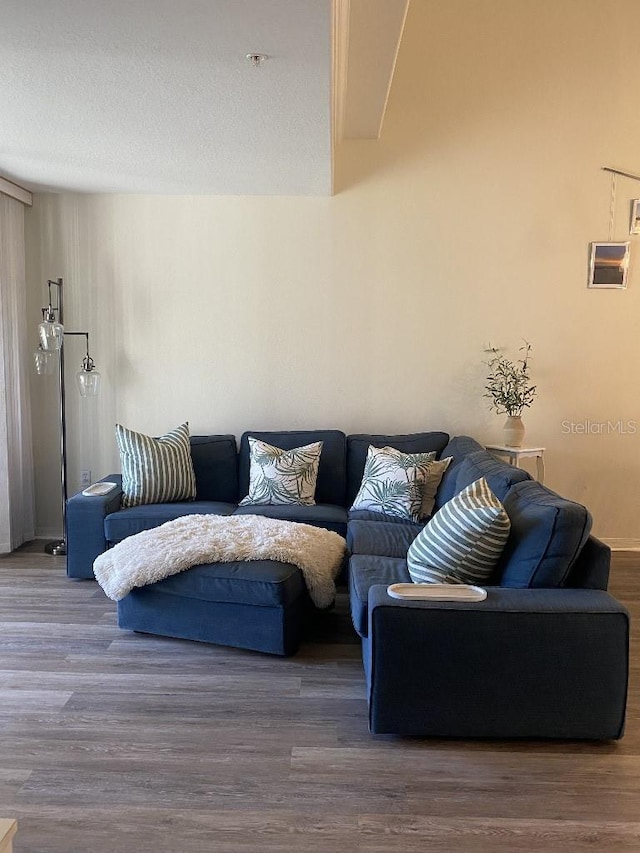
(523, 663)
(85, 528)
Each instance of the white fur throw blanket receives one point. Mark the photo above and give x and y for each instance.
(191, 540)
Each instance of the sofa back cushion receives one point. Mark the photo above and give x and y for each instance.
(458, 448)
(547, 534)
(358, 445)
(331, 482)
(499, 475)
(127, 522)
(215, 462)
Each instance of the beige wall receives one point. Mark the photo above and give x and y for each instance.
(468, 222)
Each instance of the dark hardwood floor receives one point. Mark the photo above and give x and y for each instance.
(113, 742)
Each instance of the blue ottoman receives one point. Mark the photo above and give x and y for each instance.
(259, 605)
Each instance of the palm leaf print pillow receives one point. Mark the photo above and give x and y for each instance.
(279, 476)
(392, 482)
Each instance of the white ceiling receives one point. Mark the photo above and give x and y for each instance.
(156, 96)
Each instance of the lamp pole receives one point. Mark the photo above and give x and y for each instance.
(52, 334)
(59, 547)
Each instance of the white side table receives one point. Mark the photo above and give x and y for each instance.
(515, 454)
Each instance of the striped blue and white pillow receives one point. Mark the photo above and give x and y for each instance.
(463, 541)
(155, 470)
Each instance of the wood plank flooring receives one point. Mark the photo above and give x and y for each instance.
(112, 742)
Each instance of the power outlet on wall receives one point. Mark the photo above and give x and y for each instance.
(85, 478)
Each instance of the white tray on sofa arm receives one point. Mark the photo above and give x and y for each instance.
(437, 591)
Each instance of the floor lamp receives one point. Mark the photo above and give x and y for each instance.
(52, 334)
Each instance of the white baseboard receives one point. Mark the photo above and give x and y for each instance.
(622, 544)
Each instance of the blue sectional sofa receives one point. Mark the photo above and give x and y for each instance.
(544, 656)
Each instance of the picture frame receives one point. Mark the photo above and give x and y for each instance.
(609, 265)
(634, 227)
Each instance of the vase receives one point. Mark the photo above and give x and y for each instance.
(513, 431)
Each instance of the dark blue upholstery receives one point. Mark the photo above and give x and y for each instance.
(358, 445)
(366, 571)
(458, 448)
(215, 463)
(522, 664)
(275, 630)
(321, 515)
(499, 475)
(377, 517)
(263, 583)
(532, 662)
(547, 534)
(525, 663)
(127, 522)
(86, 537)
(591, 568)
(387, 540)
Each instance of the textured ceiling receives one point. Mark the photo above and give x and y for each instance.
(156, 95)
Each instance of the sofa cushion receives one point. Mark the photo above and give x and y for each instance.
(126, 522)
(431, 485)
(547, 534)
(321, 515)
(380, 538)
(377, 517)
(215, 463)
(278, 476)
(392, 482)
(463, 541)
(155, 470)
(358, 445)
(263, 583)
(458, 448)
(366, 571)
(331, 482)
(499, 475)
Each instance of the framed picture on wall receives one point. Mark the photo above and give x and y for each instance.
(608, 265)
(635, 217)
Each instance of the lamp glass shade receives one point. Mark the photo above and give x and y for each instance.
(43, 362)
(88, 382)
(51, 335)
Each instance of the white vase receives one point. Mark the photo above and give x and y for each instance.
(513, 431)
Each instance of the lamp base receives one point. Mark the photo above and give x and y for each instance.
(56, 549)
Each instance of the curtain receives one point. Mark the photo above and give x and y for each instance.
(16, 457)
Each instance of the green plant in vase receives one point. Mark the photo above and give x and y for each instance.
(510, 390)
